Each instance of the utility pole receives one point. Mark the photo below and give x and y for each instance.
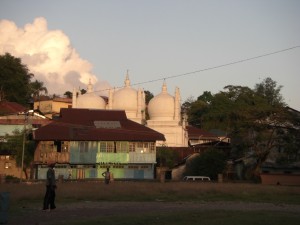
(23, 149)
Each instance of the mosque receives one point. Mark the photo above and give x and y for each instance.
(164, 109)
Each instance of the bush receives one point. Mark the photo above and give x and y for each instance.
(209, 163)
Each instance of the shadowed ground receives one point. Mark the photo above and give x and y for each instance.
(133, 202)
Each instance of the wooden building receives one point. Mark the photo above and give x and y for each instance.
(84, 142)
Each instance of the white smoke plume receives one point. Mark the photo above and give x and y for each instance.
(49, 55)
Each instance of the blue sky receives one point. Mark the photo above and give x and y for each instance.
(157, 39)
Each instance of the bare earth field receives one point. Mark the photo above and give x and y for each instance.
(94, 210)
(85, 201)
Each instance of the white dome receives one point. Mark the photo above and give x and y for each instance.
(161, 107)
(90, 100)
(126, 98)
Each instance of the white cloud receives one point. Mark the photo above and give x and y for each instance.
(48, 55)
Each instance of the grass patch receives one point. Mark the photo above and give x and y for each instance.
(152, 191)
(25, 199)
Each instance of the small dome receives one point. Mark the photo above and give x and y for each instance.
(90, 100)
(125, 98)
(161, 107)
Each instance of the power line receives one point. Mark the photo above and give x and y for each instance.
(211, 68)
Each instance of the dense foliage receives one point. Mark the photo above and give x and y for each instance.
(257, 120)
(15, 81)
(14, 145)
(209, 163)
(166, 157)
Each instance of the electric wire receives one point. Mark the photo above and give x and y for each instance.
(208, 68)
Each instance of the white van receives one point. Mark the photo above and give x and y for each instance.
(196, 178)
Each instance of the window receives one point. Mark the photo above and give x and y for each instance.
(7, 165)
(47, 146)
(152, 146)
(4, 157)
(64, 146)
(58, 146)
(107, 146)
(122, 146)
(145, 147)
(132, 146)
(140, 145)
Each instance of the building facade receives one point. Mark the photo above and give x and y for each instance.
(84, 142)
(51, 107)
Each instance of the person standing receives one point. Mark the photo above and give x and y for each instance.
(106, 176)
(49, 199)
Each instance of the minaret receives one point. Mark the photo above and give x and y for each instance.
(74, 98)
(177, 105)
(164, 87)
(127, 81)
(139, 104)
(144, 104)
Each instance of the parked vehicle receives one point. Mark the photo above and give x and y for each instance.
(196, 178)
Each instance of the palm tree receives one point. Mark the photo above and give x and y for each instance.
(37, 87)
(68, 94)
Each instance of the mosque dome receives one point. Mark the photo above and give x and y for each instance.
(90, 100)
(126, 98)
(162, 106)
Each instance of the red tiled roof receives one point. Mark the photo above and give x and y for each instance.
(194, 132)
(10, 108)
(79, 125)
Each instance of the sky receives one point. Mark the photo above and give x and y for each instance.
(196, 45)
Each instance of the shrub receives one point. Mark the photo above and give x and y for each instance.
(209, 163)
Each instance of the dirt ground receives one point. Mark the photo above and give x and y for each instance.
(90, 210)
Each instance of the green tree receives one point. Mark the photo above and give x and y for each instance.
(14, 145)
(186, 106)
(83, 91)
(148, 96)
(257, 121)
(196, 109)
(269, 90)
(68, 94)
(209, 163)
(14, 80)
(206, 97)
(166, 157)
(37, 87)
(196, 112)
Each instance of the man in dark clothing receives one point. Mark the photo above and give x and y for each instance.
(106, 176)
(49, 199)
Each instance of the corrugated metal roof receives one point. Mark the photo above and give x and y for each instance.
(78, 125)
(10, 108)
